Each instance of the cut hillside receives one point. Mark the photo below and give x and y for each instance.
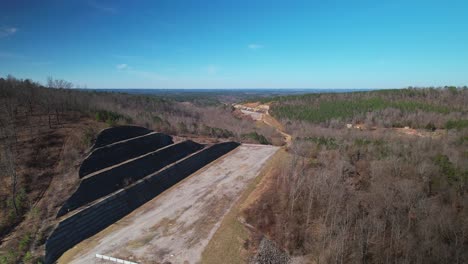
(47, 132)
(105, 197)
(113, 178)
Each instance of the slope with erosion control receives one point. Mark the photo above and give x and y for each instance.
(116, 134)
(108, 195)
(109, 180)
(121, 151)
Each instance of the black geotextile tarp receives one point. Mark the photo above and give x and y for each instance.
(114, 134)
(116, 153)
(109, 181)
(100, 215)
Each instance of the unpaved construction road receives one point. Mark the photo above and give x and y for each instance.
(177, 225)
(259, 112)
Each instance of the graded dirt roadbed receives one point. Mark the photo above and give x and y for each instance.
(177, 225)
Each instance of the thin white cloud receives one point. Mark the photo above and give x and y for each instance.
(101, 7)
(122, 66)
(7, 31)
(254, 46)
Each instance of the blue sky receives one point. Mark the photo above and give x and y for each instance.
(236, 44)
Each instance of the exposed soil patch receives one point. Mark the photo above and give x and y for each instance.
(259, 112)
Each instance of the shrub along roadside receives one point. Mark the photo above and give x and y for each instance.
(257, 137)
(456, 124)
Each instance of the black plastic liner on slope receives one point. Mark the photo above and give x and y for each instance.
(100, 215)
(109, 181)
(114, 154)
(115, 134)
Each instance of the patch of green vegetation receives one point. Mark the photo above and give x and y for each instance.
(462, 140)
(9, 257)
(456, 124)
(17, 207)
(383, 150)
(160, 122)
(156, 119)
(111, 118)
(89, 136)
(327, 142)
(257, 137)
(24, 242)
(27, 257)
(342, 109)
(401, 93)
(216, 132)
(413, 106)
(13, 256)
(454, 175)
(182, 128)
(362, 142)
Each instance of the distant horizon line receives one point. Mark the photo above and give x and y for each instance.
(263, 88)
(266, 88)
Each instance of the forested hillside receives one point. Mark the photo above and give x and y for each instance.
(356, 186)
(414, 107)
(46, 131)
